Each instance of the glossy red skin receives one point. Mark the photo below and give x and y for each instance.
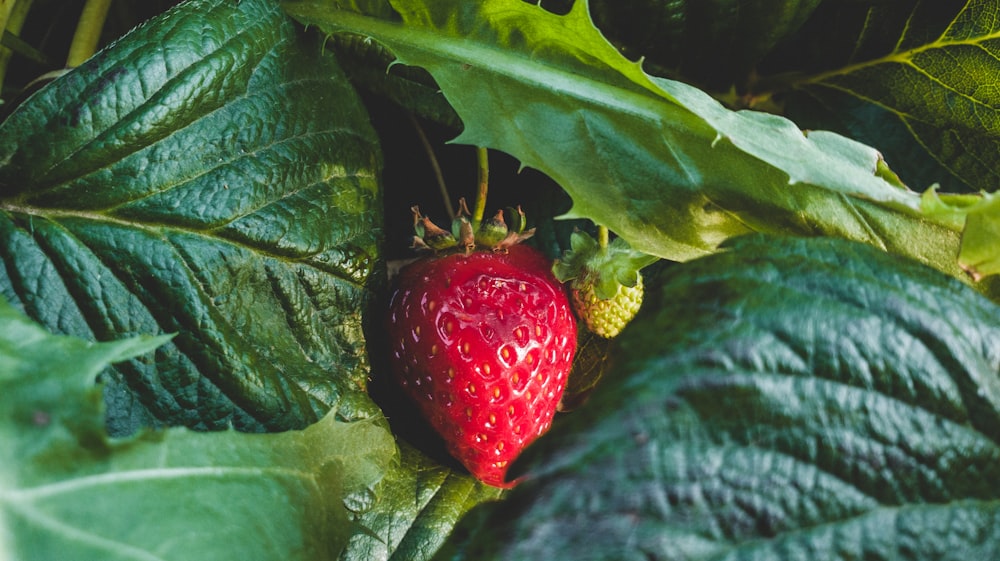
(484, 344)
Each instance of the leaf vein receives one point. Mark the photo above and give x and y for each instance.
(58, 527)
(146, 475)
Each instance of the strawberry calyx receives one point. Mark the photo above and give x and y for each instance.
(605, 281)
(467, 234)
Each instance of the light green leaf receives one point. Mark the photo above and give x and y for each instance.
(68, 492)
(211, 175)
(978, 255)
(660, 163)
(789, 399)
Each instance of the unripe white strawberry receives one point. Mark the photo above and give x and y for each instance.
(606, 316)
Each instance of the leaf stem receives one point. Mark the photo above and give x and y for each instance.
(88, 32)
(438, 176)
(482, 156)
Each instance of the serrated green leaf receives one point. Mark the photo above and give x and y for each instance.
(926, 70)
(919, 85)
(789, 399)
(209, 175)
(47, 384)
(69, 492)
(658, 162)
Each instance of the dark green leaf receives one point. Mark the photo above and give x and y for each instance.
(789, 399)
(920, 86)
(712, 42)
(68, 492)
(208, 175)
(420, 502)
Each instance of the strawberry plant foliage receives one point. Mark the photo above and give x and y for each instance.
(737, 428)
(707, 41)
(909, 77)
(914, 71)
(213, 175)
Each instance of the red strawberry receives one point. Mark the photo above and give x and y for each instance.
(483, 343)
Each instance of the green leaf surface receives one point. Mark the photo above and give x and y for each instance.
(926, 71)
(420, 502)
(658, 162)
(788, 399)
(209, 175)
(69, 492)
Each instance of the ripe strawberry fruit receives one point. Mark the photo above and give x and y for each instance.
(483, 342)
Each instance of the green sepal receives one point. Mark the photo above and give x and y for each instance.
(607, 268)
(517, 219)
(463, 226)
(492, 231)
(429, 234)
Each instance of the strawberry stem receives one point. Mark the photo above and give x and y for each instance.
(484, 183)
(602, 236)
(12, 16)
(88, 32)
(435, 166)
(5, 10)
